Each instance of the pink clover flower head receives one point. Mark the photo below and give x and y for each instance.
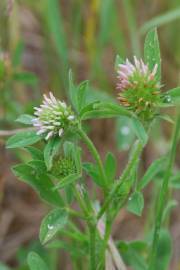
(139, 88)
(129, 74)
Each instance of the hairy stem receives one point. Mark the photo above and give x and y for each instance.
(75, 213)
(92, 247)
(107, 234)
(162, 196)
(91, 223)
(80, 201)
(94, 153)
(132, 162)
(92, 227)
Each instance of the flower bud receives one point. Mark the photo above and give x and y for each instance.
(63, 167)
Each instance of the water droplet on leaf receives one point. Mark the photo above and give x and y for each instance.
(50, 227)
(167, 99)
(125, 130)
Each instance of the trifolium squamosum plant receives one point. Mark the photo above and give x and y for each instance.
(59, 172)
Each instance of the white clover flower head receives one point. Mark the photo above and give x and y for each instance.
(130, 74)
(52, 117)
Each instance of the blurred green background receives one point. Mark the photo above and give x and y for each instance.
(39, 42)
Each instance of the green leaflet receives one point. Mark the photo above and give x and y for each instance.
(67, 181)
(139, 130)
(92, 170)
(77, 94)
(152, 54)
(35, 262)
(164, 250)
(50, 150)
(133, 254)
(35, 153)
(154, 168)
(136, 203)
(110, 167)
(25, 119)
(22, 139)
(40, 182)
(173, 96)
(103, 110)
(52, 223)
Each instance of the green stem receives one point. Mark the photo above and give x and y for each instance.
(92, 228)
(81, 201)
(106, 236)
(162, 196)
(92, 231)
(75, 213)
(130, 166)
(94, 153)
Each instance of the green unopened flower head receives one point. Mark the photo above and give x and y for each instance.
(139, 88)
(63, 167)
(53, 117)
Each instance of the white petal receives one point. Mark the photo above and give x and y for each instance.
(46, 122)
(144, 67)
(48, 100)
(41, 131)
(60, 132)
(50, 134)
(56, 123)
(137, 62)
(35, 120)
(52, 97)
(130, 67)
(37, 108)
(46, 106)
(154, 69)
(37, 124)
(50, 127)
(71, 117)
(63, 104)
(37, 113)
(57, 113)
